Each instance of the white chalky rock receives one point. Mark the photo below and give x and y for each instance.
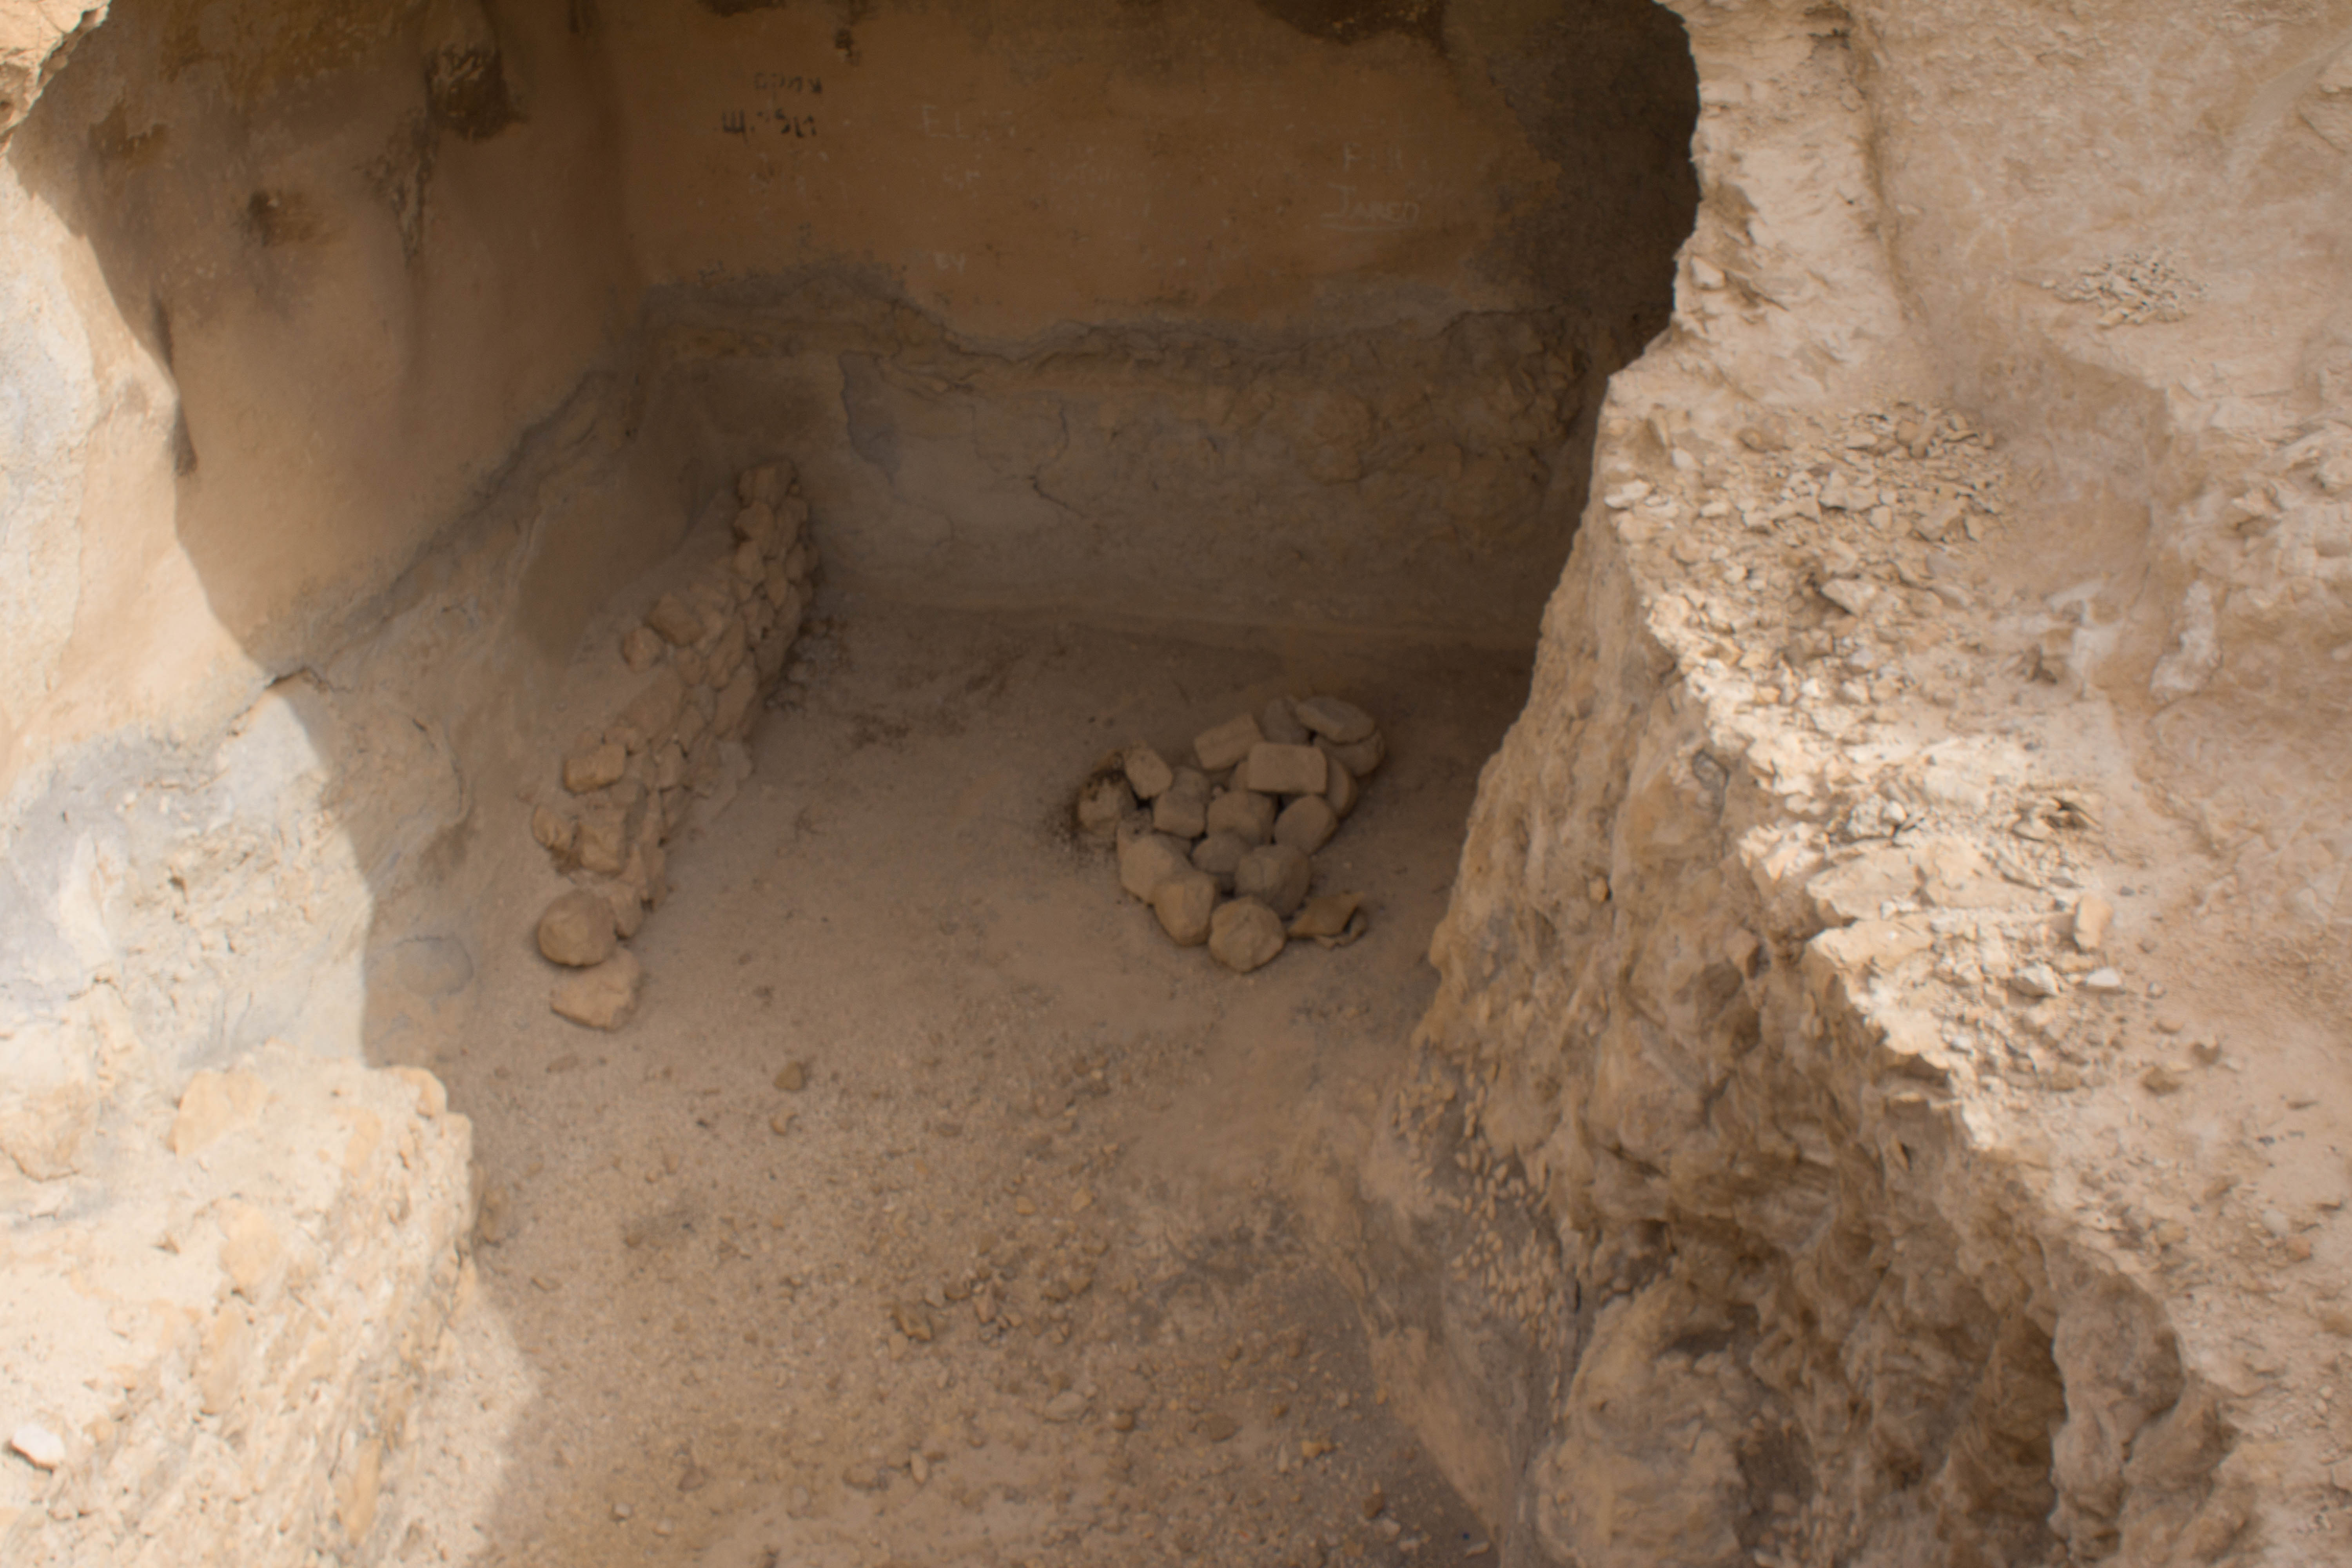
(38, 1445)
(2093, 916)
(2036, 980)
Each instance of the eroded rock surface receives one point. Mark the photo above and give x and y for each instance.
(1843, 1115)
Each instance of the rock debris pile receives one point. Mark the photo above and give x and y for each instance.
(1223, 850)
(2135, 289)
(708, 653)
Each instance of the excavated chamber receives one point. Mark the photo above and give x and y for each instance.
(398, 349)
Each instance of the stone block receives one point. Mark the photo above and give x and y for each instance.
(2093, 916)
(42, 1132)
(1228, 743)
(652, 712)
(678, 622)
(576, 931)
(757, 526)
(1245, 935)
(556, 833)
(1327, 916)
(1148, 772)
(1361, 758)
(727, 658)
(1307, 823)
(593, 768)
(642, 649)
(606, 835)
(1340, 790)
(769, 654)
(250, 1250)
(1149, 859)
(605, 997)
(1279, 723)
(1103, 805)
(1273, 769)
(1218, 854)
(1276, 875)
(1184, 903)
(628, 906)
(1243, 814)
(734, 710)
(1341, 724)
(768, 482)
(1182, 810)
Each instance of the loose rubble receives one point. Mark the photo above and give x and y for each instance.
(1223, 850)
(2134, 290)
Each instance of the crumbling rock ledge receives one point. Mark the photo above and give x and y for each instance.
(1856, 1125)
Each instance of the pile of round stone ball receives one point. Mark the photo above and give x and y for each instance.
(1223, 850)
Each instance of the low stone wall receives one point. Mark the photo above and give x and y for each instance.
(685, 681)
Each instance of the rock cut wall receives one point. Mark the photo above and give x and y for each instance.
(1862, 1120)
(1180, 312)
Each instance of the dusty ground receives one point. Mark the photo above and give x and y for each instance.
(1026, 1269)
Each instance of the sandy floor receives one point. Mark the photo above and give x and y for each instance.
(1027, 1270)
